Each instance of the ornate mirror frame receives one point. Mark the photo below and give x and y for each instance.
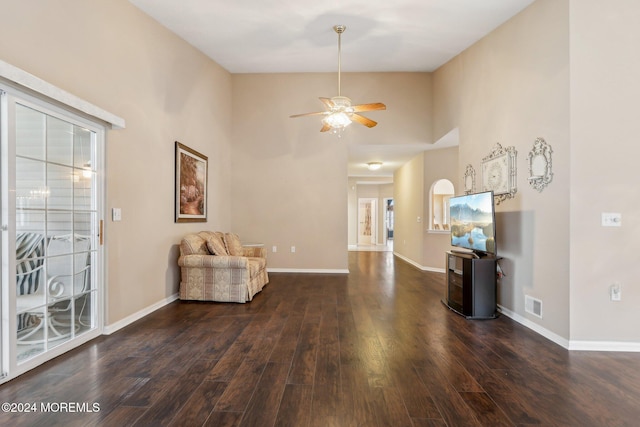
(499, 172)
(469, 180)
(540, 166)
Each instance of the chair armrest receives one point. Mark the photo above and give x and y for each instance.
(56, 287)
(213, 261)
(254, 251)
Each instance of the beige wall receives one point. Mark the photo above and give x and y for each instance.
(114, 56)
(604, 154)
(512, 87)
(412, 184)
(438, 164)
(290, 184)
(408, 207)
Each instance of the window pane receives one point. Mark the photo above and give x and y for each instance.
(31, 188)
(60, 185)
(59, 268)
(82, 228)
(30, 221)
(60, 224)
(30, 132)
(83, 148)
(30, 332)
(59, 141)
(82, 189)
(59, 323)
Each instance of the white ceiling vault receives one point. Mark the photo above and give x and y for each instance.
(277, 36)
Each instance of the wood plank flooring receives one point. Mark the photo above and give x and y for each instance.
(372, 348)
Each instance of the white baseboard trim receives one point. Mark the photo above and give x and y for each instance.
(308, 270)
(534, 327)
(620, 346)
(418, 266)
(109, 329)
(572, 345)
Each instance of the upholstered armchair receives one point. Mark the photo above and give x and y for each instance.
(214, 266)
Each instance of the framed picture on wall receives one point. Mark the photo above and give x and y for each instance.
(499, 173)
(191, 185)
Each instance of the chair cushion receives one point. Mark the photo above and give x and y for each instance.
(29, 253)
(234, 246)
(215, 244)
(194, 244)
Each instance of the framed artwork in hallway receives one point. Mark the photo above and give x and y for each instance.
(191, 185)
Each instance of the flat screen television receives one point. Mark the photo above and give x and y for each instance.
(473, 222)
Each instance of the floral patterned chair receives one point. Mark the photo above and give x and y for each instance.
(214, 266)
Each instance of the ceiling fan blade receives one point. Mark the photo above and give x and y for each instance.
(363, 120)
(369, 107)
(318, 113)
(327, 102)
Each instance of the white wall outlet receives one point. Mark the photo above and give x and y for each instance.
(293, 249)
(615, 292)
(116, 214)
(611, 219)
(274, 249)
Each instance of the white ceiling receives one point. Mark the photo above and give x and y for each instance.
(273, 36)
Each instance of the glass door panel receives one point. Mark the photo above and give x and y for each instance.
(56, 214)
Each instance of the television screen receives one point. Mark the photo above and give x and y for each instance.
(472, 218)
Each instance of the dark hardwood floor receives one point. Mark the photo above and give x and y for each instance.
(372, 348)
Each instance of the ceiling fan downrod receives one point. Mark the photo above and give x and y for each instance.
(339, 29)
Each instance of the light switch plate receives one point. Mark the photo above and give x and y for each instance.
(611, 219)
(116, 214)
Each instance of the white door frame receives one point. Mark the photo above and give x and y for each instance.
(384, 219)
(8, 292)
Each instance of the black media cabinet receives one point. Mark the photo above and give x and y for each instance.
(471, 285)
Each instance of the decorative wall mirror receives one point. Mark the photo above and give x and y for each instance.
(499, 172)
(540, 167)
(469, 180)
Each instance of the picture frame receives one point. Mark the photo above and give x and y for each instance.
(540, 165)
(190, 184)
(499, 172)
(469, 179)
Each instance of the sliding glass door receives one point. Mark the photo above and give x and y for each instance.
(51, 203)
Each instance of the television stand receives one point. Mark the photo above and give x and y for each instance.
(468, 252)
(471, 285)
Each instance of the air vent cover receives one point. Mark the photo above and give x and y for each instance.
(533, 305)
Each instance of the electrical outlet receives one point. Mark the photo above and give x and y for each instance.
(293, 249)
(615, 292)
(274, 249)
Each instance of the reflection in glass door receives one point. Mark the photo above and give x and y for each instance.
(55, 230)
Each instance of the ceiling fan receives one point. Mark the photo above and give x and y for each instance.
(340, 113)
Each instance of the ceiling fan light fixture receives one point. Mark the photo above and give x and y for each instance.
(374, 166)
(339, 112)
(337, 121)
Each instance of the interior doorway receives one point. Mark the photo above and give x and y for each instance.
(367, 221)
(388, 221)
